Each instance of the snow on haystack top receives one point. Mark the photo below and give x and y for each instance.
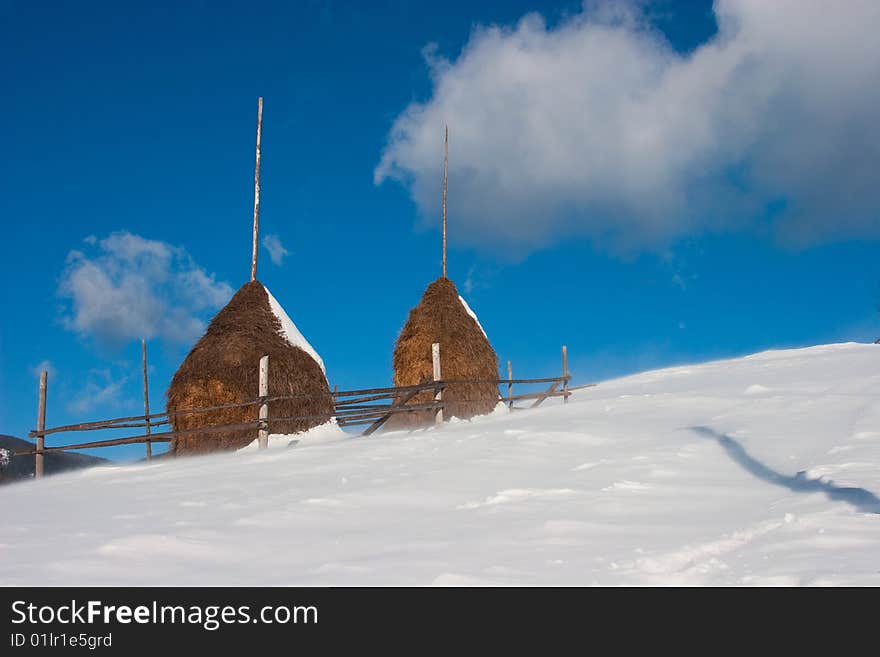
(472, 314)
(290, 332)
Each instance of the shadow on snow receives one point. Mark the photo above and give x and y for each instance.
(863, 500)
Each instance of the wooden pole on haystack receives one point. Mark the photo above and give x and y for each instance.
(445, 177)
(256, 236)
(41, 425)
(147, 428)
(264, 407)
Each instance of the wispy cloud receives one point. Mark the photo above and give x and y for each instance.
(275, 248)
(104, 389)
(479, 277)
(598, 127)
(677, 265)
(126, 287)
(468, 284)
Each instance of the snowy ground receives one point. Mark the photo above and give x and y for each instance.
(681, 476)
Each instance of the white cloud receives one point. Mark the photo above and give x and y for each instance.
(101, 390)
(597, 127)
(275, 248)
(479, 277)
(128, 287)
(468, 285)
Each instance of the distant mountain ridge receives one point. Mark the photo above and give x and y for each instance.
(22, 467)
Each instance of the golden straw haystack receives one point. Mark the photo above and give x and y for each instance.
(465, 353)
(223, 368)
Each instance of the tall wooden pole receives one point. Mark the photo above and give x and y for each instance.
(256, 240)
(41, 425)
(147, 428)
(445, 177)
(264, 407)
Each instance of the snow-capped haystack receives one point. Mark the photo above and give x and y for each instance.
(223, 368)
(465, 353)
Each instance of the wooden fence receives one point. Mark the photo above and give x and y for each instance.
(369, 408)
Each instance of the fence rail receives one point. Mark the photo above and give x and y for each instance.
(366, 406)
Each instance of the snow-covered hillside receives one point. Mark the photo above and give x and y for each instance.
(760, 470)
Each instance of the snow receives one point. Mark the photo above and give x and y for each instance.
(325, 433)
(472, 314)
(291, 333)
(761, 470)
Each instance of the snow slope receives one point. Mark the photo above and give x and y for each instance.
(686, 475)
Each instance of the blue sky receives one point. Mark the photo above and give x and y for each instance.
(656, 241)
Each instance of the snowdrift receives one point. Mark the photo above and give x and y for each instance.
(759, 470)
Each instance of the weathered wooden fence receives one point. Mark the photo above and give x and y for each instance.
(369, 408)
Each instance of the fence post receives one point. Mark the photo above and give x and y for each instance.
(509, 386)
(264, 407)
(147, 429)
(565, 375)
(41, 425)
(5, 460)
(438, 393)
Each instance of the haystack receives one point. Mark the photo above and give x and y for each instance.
(223, 368)
(465, 353)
